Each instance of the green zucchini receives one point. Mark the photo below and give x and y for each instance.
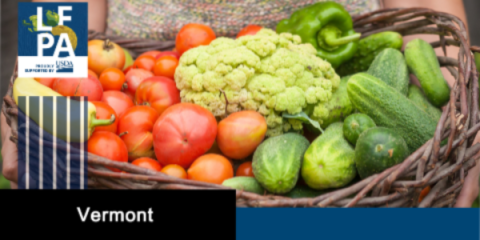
(356, 124)
(416, 95)
(368, 48)
(423, 63)
(248, 184)
(277, 161)
(389, 108)
(304, 192)
(336, 109)
(329, 161)
(390, 66)
(377, 149)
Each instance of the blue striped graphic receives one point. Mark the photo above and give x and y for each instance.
(45, 161)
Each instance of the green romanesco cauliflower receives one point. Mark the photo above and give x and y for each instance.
(268, 72)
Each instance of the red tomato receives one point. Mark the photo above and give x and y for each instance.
(249, 30)
(118, 101)
(108, 145)
(157, 92)
(193, 35)
(168, 53)
(105, 112)
(89, 87)
(136, 125)
(245, 169)
(211, 168)
(112, 79)
(104, 54)
(134, 77)
(165, 66)
(182, 133)
(152, 53)
(46, 81)
(90, 72)
(148, 163)
(240, 133)
(125, 71)
(175, 170)
(144, 62)
(129, 95)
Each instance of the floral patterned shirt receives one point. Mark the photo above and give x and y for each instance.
(162, 19)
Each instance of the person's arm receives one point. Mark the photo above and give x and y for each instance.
(9, 153)
(97, 13)
(455, 7)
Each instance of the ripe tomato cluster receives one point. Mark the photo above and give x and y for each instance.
(152, 128)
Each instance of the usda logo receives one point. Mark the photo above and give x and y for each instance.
(64, 66)
(52, 40)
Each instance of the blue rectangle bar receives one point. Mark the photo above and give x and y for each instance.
(358, 223)
(47, 151)
(78, 128)
(34, 140)
(61, 151)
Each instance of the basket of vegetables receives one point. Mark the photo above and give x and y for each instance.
(320, 112)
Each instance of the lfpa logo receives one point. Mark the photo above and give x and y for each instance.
(52, 40)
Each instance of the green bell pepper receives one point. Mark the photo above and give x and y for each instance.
(328, 27)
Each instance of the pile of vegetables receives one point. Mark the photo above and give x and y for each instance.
(267, 72)
(297, 111)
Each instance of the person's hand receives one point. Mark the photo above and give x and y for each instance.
(9, 153)
(470, 187)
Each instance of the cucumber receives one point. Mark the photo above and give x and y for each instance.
(336, 109)
(416, 95)
(389, 108)
(329, 161)
(378, 149)
(355, 125)
(422, 61)
(248, 184)
(390, 66)
(304, 192)
(277, 161)
(368, 48)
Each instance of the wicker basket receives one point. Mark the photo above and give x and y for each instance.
(442, 168)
